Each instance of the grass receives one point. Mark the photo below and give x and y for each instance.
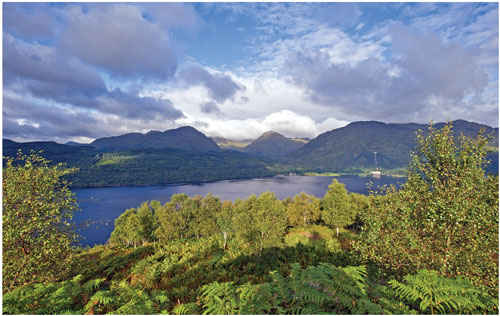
(320, 236)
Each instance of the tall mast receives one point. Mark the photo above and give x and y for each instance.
(376, 166)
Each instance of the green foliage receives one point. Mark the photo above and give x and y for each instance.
(359, 204)
(259, 222)
(336, 207)
(185, 309)
(134, 226)
(204, 222)
(303, 210)
(316, 236)
(444, 296)
(50, 298)
(224, 220)
(445, 218)
(38, 236)
(314, 290)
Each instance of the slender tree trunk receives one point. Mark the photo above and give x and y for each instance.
(225, 238)
(337, 231)
(262, 237)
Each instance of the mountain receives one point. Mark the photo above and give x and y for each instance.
(71, 143)
(80, 156)
(186, 138)
(272, 145)
(226, 143)
(304, 140)
(147, 165)
(351, 148)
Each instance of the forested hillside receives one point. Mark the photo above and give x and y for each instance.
(144, 166)
(351, 148)
(429, 247)
(167, 165)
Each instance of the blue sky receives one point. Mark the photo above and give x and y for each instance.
(80, 71)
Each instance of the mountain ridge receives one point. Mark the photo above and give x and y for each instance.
(123, 159)
(185, 137)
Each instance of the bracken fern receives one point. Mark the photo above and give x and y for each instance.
(437, 294)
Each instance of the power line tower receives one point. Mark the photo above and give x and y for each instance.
(376, 172)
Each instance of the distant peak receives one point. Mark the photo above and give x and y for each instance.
(152, 132)
(186, 128)
(271, 133)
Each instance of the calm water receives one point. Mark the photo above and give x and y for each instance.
(104, 205)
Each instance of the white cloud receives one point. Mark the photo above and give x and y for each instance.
(285, 122)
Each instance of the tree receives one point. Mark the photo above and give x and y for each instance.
(135, 226)
(359, 204)
(336, 209)
(259, 222)
(224, 220)
(445, 218)
(204, 219)
(38, 237)
(304, 209)
(146, 223)
(168, 219)
(120, 234)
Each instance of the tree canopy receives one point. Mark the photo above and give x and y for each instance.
(445, 218)
(303, 209)
(38, 236)
(336, 207)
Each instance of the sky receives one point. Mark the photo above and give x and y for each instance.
(81, 71)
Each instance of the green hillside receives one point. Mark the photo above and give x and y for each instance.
(144, 166)
(352, 147)
(168, 165)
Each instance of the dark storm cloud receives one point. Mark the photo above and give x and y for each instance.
(209, 108)
(220, 87)
(118, 39)
(426, 72)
